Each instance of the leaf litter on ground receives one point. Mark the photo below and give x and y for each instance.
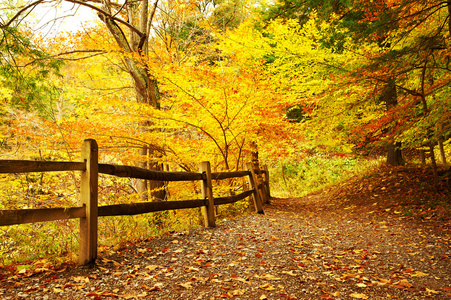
(331, 245)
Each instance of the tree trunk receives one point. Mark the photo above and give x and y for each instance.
(434, 165)
(423, 157)
(394, 155)
(146, 88)
(449, 15)
(254, 154)
(394, 152)
(442, 151)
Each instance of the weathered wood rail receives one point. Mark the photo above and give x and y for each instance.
(89, 211)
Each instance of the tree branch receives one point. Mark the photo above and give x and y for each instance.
(108, 15)
(20, 12)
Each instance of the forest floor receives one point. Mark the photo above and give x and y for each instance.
(383, 236)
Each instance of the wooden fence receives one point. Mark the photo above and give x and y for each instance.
(89, 211)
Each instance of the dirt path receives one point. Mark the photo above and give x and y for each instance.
(306, 248)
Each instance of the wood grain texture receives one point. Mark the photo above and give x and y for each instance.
(23, 216)
(26, 166)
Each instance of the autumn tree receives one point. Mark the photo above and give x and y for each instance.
(400, 32)
(413, 63)
(130, 25)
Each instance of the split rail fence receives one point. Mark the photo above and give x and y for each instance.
(89, 211)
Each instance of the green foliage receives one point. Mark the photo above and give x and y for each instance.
(228, 13)
(316, 172)
(56, 240)
(25, 72)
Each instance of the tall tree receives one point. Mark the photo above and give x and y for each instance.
(406, 34)
(130, 26)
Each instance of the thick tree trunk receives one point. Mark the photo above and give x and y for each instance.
(394, 155)
(146, 87)
(156, 188)
(394, 152)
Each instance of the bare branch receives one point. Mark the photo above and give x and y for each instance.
(120, 9)
(108, 15)
(80, 51)
(152, 14)
(32, 5)
(84, 57)
(95, 53)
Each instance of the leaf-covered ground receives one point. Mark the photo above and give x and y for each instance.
(385, 236)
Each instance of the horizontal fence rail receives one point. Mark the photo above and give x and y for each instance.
(89, 211)
(25, 166)
(23, 216)
(140, 173)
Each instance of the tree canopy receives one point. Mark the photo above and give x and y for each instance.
(228, 81)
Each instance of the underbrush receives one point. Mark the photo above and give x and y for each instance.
(57, 242)
(316, 172)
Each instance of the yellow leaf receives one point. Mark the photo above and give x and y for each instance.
(403, 282)
(238, 292)
(186, 285)
(267, 287)
(152, 267)
(419, 274)
(359, 296)
(289, 273)
(269, 277)
(431, 291)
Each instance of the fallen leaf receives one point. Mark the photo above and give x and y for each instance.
(267, 287)
(152, 267)
(80, 279)
(403, 283)
(269, 277)
(191, 269)
(186, 285)
(419, 274)
(359, 296)
(109, 294)
(289, 273)
(238, 292)
(243, 280)
(431, 291)
(226, 295)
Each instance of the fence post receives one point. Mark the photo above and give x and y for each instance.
(207, 192)
(89, 198)
(252, 178)
(268, 192)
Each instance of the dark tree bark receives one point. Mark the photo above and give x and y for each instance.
(394, 152)
(394, 155)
